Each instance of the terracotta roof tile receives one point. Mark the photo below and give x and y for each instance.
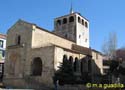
(2, 36)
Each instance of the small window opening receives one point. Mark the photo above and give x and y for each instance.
(82, 22)
(64, 21)
(79, 20)
(58, 22)
(86, 24)
(18, 40)
(86, 40)
(71, 19)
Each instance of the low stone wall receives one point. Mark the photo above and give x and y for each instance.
(72, 87)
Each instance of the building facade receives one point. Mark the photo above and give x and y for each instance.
(2, 53)
(34, 54)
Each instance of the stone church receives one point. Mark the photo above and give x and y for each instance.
(34, 53)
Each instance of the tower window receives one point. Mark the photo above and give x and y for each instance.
(86, 40)
(79, 20)
(58, 22)
(86, 24)
(71, 19)
(64, 20)
(82, 22)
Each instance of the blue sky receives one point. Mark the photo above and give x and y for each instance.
(105, 16)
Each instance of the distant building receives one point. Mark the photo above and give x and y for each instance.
(120, 54)
(2, 53)
(106, 65)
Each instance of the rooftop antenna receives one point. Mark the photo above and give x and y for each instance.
(71, 8)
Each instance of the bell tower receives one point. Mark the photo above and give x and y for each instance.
(73, 27)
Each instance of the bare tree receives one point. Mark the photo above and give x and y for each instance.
(109, 47)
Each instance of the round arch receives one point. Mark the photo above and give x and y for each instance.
(37, 66)
(71, 19)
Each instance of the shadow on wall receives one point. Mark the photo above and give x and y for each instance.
(77, 71)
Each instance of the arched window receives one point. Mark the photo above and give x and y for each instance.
(64, 58)
(58, 22)
(86, 40)
(64, 20)
(82, 22)
(71, 19)
(76, 64)
(86, 24)
(18, 40)
(79, 20)
(71, 60)
(37, 67)
(82, 66)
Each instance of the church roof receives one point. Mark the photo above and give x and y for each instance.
(53, 33)
(97, 52)
(45, 30)
(81, 49)
(78, 49)
(75, 49)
